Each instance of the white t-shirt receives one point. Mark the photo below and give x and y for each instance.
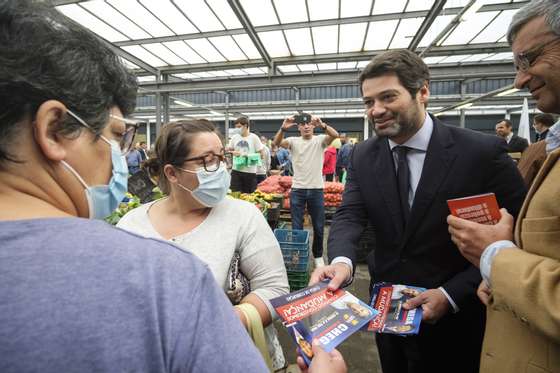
(265, 165)
(307, 161)
(232, 224)
(246, 145)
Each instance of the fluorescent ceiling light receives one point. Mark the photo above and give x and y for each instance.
(508, 92)
(183, 103)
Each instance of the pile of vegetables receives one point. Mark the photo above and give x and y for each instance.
(130, 203)
(258, 198)
(283, 185)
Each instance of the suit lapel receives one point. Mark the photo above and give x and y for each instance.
(438, 162)
(386, 180)
(541, 175)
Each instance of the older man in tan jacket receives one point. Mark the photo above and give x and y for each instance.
(521, 285)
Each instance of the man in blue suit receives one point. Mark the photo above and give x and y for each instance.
(400, 182)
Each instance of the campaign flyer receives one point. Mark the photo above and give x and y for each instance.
(388, 300)
(482, 208)
(318, 313)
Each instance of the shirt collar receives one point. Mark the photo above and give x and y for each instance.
(421, 139)
(508, 137)
(553, 137)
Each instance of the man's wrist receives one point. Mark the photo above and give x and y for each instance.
(282, 129)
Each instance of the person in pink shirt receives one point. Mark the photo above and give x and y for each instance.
(329, 163)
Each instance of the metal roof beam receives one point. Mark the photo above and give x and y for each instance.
(447, 72)
(244, 20)
(426, 24)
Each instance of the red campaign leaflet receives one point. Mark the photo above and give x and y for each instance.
(482, 208)
(388, 300)
(318, 313)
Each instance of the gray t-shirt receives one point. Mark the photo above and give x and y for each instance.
(81, 296)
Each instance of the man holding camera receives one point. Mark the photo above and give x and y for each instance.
(307, 162)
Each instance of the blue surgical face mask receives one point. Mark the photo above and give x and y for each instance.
(212, 186)
(104, 199)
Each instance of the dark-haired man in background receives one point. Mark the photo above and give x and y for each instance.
(400, 182)
(515, 144)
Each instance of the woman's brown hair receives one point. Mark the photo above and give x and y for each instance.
(173, 146)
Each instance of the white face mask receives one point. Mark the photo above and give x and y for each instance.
(234, 131)
(212, 186)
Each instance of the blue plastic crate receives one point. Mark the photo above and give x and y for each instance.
(295, 248)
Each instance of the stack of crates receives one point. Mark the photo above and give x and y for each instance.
(295, 250)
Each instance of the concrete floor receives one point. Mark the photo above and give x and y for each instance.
(359, 351)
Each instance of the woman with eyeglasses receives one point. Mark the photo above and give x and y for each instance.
(196, 215)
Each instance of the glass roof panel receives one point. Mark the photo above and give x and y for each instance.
(455, 3)
(325, 39)
(205, 49)
(144, 55)
(168, 13)
(468, 29)
(254, 71)
(362, 64)
(439, 24)
(236, 72)
(244, 41)
(260, 12)
(433, 60)
(93, 23)
(221, 73)
(414, 5)
(380, 34)
(384, 7)
(308, 67)
(184, 51)
(186, 76)
(322, 9)
(354, 8)
(205, 74)
(454, 59)
(146, 79)
(291, 10)
(476, 57)
(346, 65)
(300, 41)
(264, 70)
(497, 29)
(500, 56)
(128, 64)
(224, 13)
(274, 43)
(106, 12)
(199, 14)
(289, 68)
(139, 15)
(226, 45)
(352, 37)
(327, 66)
(163, 53)
(406, 31)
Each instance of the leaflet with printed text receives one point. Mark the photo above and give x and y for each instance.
(318, 313)
(388, 300)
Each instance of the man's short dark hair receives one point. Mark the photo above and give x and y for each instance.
(507, 122)
(244, 121)
(46, 56)
(411, 70)
(546, 120)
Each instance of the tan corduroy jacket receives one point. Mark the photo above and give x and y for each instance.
(523, 325)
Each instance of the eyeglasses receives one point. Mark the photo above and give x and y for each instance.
(524, 60)
(211, 162)
(127, 136)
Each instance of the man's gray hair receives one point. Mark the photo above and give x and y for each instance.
(549, 9)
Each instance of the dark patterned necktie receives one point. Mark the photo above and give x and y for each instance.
(403, 180)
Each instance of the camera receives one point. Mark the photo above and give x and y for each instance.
(302, 118)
